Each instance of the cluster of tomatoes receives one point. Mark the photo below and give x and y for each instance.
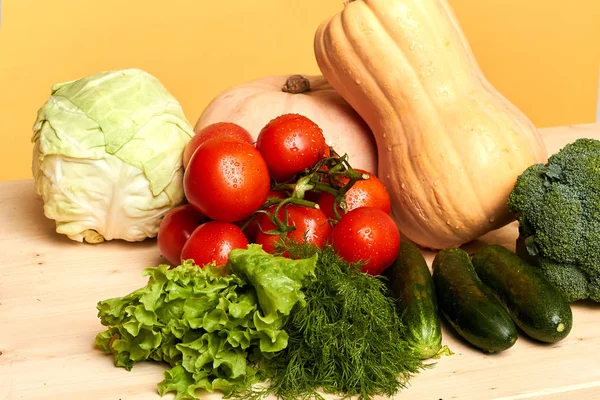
(287, 186)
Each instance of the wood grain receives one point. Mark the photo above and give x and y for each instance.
(49, 287)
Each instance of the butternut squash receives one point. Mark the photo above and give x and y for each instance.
(450, 146)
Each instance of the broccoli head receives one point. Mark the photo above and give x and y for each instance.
(558, 209)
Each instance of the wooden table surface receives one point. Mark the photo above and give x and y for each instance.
(49, 287)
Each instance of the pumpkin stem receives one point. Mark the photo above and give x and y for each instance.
(296, 84)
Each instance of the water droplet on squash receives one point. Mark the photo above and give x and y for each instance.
(443, 92)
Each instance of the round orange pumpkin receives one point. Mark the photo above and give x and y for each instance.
(252, 105)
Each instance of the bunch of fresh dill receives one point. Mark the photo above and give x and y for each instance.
(346, 340)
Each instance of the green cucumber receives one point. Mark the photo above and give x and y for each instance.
(534, 304)
(468, 305)
(410, 281)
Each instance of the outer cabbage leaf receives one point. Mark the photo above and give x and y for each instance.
(107, 155)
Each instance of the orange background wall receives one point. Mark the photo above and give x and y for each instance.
(542, 54)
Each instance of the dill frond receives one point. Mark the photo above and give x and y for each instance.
(346, 340)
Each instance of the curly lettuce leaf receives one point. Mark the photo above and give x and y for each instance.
(277, 280)
(211, 328)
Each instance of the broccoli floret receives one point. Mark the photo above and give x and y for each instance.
(567, 277)
(558, 209)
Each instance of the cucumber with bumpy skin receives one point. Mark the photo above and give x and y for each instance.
(410, 281)
(468, 305)
(534, 304)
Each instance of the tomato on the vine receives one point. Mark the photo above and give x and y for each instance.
(290, 143)
(369, 192)
(218, 129)
(226, 179)
(212, 241)
(251, 227)
(310, 226)
(368, 235)
(175, 229)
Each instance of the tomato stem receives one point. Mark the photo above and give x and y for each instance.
(331, 174)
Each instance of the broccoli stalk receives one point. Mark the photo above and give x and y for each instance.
(558, 209)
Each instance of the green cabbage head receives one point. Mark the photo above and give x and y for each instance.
(107, 156)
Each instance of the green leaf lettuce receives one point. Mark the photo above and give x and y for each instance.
(210, 327)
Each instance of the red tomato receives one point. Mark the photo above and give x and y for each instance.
(212, 241)
(252, 229)
(290, 143)
(325, 151)
(311, 227)
(364, 193)
(175, 229)
(226, 179)
(367, 234)
(218, 129)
